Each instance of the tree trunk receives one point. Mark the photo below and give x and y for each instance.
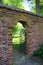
(38, 6)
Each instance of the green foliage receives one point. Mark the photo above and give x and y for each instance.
(17, 27)
(33, 9)
(14, 3)
(16, 46)
(39, 52)
(18, 4)
(1, 1)
(41, 1)
(41, 9)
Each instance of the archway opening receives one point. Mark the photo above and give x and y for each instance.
(19, 40)
(18, 37)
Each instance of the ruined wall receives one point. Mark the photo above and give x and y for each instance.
(5, 42)
(36, 36)
(8, 18)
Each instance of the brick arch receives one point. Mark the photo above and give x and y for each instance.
(23, 22)
(10, 25)
(25, 25)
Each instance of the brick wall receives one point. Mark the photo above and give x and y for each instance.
(34, 27)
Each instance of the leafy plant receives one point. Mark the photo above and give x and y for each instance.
(39, 52)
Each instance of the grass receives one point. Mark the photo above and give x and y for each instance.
(16, 40)
(16, 43)
(19, 46)
(16, 46)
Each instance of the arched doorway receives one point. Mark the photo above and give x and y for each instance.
(19, 40)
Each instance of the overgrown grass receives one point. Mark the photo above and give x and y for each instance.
(16, 40)
(20, 47)
(16, 46)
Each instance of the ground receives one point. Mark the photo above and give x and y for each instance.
(20, 59)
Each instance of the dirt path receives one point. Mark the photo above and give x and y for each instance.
(21, 59)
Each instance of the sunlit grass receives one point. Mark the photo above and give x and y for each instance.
(16, 41)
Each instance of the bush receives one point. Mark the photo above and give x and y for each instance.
(39, 52)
